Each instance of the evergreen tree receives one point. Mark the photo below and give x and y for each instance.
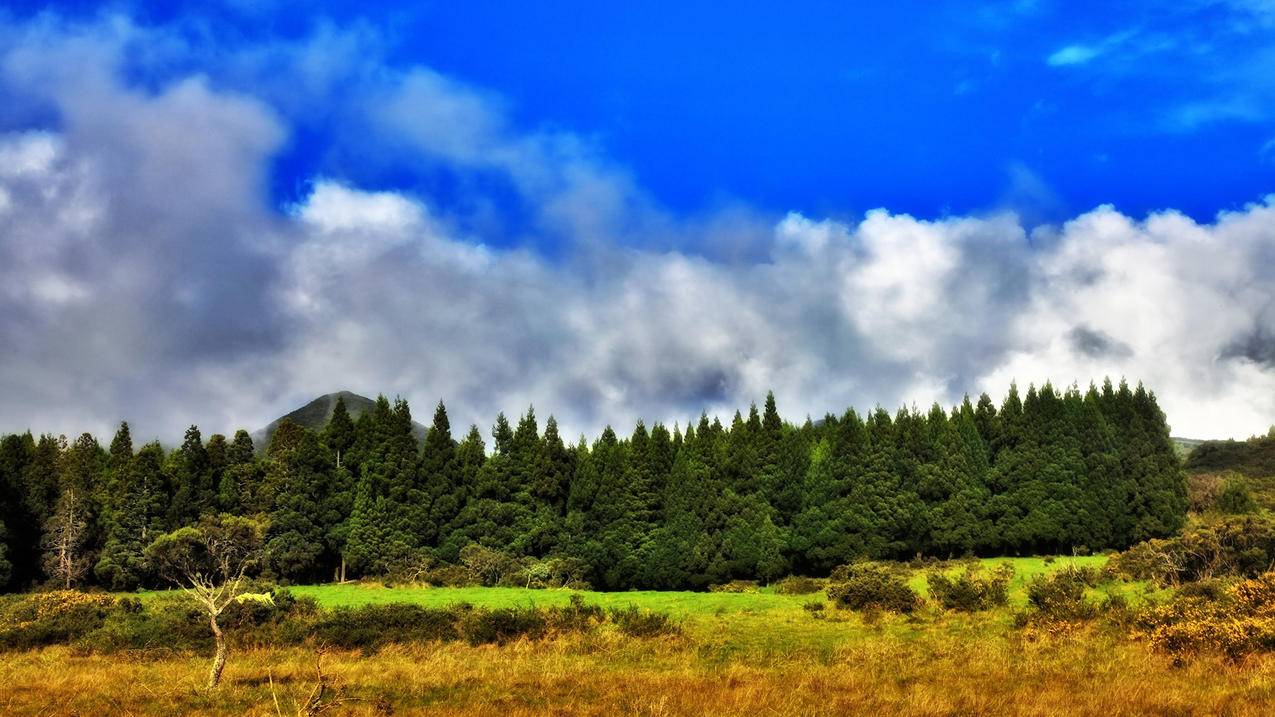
(339, 434)
(190, 481)
(22, 525)
(138, 518)
(298, 472)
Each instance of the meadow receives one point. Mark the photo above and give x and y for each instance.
(747, 653)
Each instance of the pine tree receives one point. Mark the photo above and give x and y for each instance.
(241, 478)
(190, 481)
(441, 476)
(138, 519)
(298, 471)
(22, 526)
(339, 434)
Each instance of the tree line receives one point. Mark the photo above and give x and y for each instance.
(1048, 471)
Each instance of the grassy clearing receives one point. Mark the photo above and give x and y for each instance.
(739, 654)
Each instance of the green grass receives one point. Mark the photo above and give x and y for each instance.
(680, 604)
(762, 622)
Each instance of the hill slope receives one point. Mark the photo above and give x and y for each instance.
(1253, 458)
(315, 415)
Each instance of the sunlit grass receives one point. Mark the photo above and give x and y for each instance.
(738, 654)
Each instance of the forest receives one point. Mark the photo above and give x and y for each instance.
(1048, 471)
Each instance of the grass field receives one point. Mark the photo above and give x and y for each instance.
(739, 654)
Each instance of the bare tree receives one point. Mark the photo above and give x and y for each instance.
(64, 557)
(208, 562)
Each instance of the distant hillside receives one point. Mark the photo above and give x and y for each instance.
(1254, 458)
(1184, 446)
(316, 414)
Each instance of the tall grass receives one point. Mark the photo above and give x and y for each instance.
(607, 673)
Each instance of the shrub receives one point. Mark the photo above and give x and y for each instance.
(796, 585)
(1235, 498)
(449, 576)
(502, 625)
(636, 622)
(371, 626)
(971, 590)
(49, 618)
(576, 616)
(1239, 622)
(813, 606)
(1202, 491)
(735, 586)
(861, 586)
(1060, 596)
(1241, 546)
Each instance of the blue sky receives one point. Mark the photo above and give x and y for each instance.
(930, 108)
(211, 213)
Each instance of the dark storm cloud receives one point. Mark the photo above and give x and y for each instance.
(1096, 344)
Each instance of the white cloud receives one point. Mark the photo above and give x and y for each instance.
(1073, 55)
(144, 275)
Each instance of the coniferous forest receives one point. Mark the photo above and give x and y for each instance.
(653, 507)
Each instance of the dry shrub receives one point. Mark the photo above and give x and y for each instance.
(1232, 546)
(1239, 622)
(50, 618)
(736, 586)
(797, 585)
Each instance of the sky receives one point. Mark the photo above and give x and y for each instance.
(212, 212)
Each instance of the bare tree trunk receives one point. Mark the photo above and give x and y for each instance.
(219, 660)
(342, 568)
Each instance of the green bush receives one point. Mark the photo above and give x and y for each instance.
(796, 585)
(371, 626)
(636, 622)
(576, 616)
(972, 590)
(1235, 498)
(502, 625)
(1060, 596)
(1233, 546)
(861, 586)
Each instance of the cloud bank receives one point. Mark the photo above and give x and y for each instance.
(146, 273)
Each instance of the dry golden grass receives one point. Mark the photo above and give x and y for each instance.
(934, 672)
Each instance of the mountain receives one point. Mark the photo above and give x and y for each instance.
(315, 415)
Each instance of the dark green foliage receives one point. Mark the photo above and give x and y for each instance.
(637, 622)
(369, 627)
(22, 526)
(1049, 471)
(1254, 458)
(136, 510)
(860, 586)
(190, 481)
(299, 481)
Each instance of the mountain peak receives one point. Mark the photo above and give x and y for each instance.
(316, 414)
